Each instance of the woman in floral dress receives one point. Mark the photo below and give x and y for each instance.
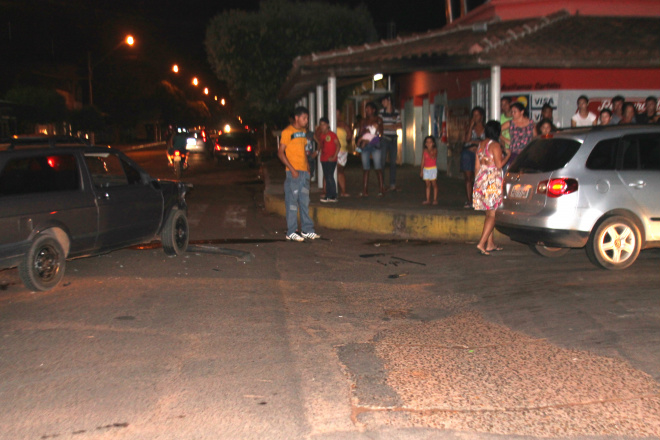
(521, 130)
(487, 195)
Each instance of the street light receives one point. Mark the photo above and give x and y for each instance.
(175, 68)
(129, 40)
(206, 90)
(195, 81)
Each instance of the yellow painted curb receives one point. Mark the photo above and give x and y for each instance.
(439, 226)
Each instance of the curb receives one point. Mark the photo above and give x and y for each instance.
(446, 225)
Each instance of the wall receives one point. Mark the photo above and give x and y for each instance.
(457, 84)
(558, 87)
(517, 9)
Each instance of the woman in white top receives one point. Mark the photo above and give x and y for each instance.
(583, 117)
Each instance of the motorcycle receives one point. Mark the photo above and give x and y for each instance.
(179, 162)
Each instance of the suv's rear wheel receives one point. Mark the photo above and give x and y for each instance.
(549, 252)
(43, 265)
(175, 233)
(614, 244)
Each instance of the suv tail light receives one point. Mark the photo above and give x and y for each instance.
(249, 148)
(217, 146)
(557, 187)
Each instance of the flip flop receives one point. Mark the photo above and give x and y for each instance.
(484, 253)
(497, 249)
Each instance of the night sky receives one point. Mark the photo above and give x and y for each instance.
(167, 31)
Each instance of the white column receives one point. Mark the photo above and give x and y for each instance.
(312, 112)
(319, 101)
(332, 102)
(303, 101)
(319, 114)
(332, 111)
(495, 95)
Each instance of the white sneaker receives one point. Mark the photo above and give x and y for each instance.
(294, 237)
(311, 235)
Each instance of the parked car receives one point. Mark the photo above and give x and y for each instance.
(236, 145)
(595, 188)
(61, 202)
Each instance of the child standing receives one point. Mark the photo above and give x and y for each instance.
(330, 147)
(429, 170)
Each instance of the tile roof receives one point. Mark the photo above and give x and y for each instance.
(559, 40)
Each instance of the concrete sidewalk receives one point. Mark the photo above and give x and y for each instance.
(398, 213)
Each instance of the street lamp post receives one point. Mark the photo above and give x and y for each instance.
(129, 40)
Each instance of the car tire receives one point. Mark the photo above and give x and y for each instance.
(175, 234)
(42, 267)
(614, 244)
(549, 252)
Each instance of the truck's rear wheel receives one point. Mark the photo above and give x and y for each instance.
(43, 265)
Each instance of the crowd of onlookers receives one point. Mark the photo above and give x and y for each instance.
(488, 149)
(622, 112)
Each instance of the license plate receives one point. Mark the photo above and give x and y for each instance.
(520, 191)
(233, 155)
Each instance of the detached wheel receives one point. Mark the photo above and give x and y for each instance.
(614, 244)
(549, 252)
(43, 265)
(174, 236)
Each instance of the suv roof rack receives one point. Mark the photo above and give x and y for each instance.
(42, 141)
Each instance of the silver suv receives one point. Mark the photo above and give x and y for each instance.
(597, 188)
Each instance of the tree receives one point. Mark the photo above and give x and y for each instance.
(39, 105)
(253, 51)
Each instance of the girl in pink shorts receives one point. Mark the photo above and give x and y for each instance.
(429, 170)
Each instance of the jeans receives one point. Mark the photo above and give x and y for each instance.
(387, 144)
(329, 177)
(296, 198)
(312, 167)
(370, 152)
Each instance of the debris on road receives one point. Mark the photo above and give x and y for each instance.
(240, 255)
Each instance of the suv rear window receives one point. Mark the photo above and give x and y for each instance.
(39, 174)
(545, 155)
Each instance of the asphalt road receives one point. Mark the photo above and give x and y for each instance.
(350, 336)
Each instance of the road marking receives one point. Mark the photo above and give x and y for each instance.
(235, 217)
(195, 213)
